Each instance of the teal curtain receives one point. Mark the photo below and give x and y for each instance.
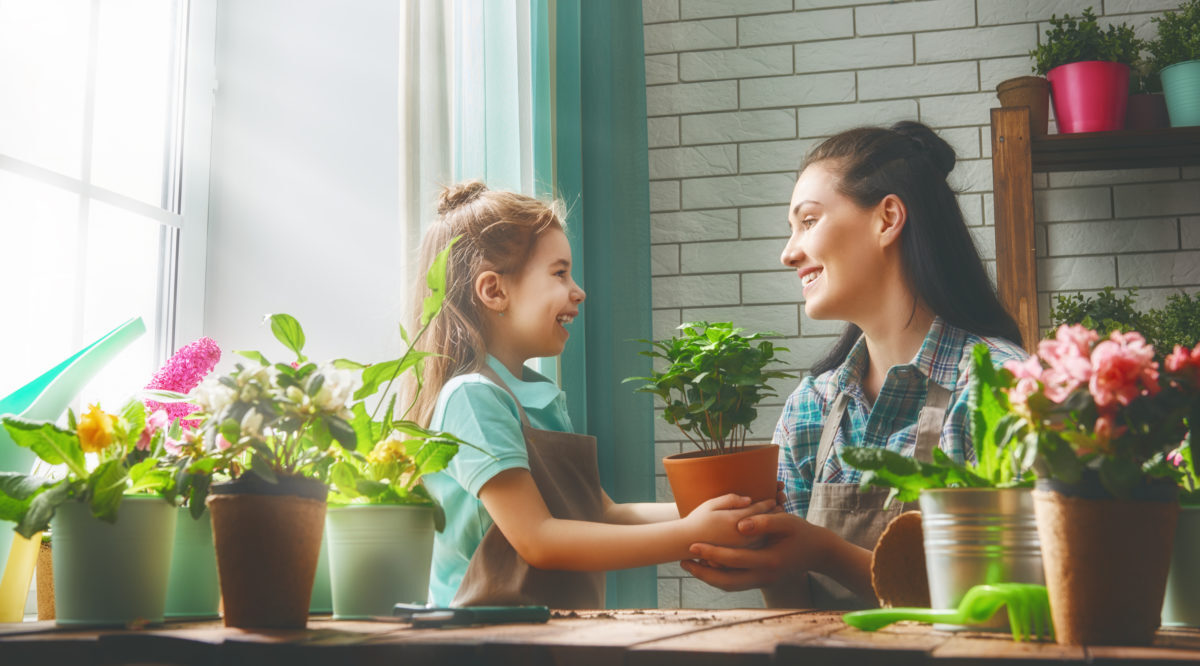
(589, 83)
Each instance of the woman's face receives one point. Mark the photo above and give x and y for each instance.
(832, 247)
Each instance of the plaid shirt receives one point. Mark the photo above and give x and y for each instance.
(944, 357)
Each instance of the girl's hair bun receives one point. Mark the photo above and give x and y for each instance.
(934, 147)
(463, 193)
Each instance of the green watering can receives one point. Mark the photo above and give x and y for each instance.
(45, 399)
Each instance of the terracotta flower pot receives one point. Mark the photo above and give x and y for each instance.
(1146, 111)
(1030, 91)
(267, 547)
(698, 476)
(1106, 561)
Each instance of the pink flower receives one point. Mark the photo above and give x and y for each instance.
(1182, 359)
(1175, 457)
(155, 422)
(1027, 374)
(1067, 361)
(182, 373)
(1123, 367)
(172, 446)
(222, 443)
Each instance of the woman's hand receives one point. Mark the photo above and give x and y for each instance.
(792, 547)
(717, 520)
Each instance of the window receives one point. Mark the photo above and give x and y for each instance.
(92, 100)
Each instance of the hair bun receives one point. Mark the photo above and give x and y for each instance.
(455, 196)
(940, 154)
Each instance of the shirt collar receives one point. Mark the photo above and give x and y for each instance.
(937, 358)
(533, 390)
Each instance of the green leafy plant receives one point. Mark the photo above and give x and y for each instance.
(999, 461)
(1176, 323)
(1104, 313)
(1143, 78)
(713, 380)
(1076, 40)
(1178, 35)
(124, 459)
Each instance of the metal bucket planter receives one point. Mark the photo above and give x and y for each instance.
(193, 590)
(1181, 606)
(379, 555)
(975, 536)
(112, 574)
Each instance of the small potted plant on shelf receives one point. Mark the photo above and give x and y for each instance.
(1032, 92)
(955, 498)
(1147, 108)
(107, 571)
(1176, 53)
(381, 521)
(1099, 417)
(713, 380)
(1088, 70)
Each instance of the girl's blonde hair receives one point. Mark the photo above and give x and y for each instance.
(497, 231)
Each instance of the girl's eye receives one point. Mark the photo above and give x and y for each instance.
(562, 273)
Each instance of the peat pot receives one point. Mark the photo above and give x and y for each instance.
(975, 536)
(1030, 91)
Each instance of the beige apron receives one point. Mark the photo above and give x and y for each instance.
(564, 467)
(859, 517)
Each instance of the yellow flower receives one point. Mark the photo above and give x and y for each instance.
(389, 450)
(95, 429)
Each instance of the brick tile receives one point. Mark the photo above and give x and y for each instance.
(1069, 273)
(771, 287)
(958, 110)
(714, 160)
(662, 68)
(696, 290)
(765, 222)
(1022, 11)
(1159, 269)
(664, 260)
(690, 35)
(694, 225)
(797, 27)
(691, 97)
(664, 195)
(1111, 237)
(801, 90)
(852, 54)
(694, 9)
(662, 131)
(773, 156)
(913, 17)
(657, 11)
(739, 126)
(754, 318)
(746, 255)
(723, 191)
(918, 80)
(976, 43)
(1181, 198)
(1068, 205)
(823, 121)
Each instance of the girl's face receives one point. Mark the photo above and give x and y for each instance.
(543, 300)
(832, 247)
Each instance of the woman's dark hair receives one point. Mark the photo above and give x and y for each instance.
(939, 258)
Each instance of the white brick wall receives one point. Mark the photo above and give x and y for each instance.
(739, 90)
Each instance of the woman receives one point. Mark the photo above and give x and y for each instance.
(877, 240)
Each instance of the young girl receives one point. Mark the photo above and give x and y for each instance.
(528, 524)
(877, 240)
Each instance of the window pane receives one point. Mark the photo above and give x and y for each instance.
(38, 278)
(43, 81)
(121, 277)
(133, 64)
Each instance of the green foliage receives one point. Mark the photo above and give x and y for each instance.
(1076, 40)
(1178, 35)
(1177, 323)
(1002, 459)
(713, 380)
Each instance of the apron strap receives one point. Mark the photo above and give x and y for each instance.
(929, 425)
(487, 371)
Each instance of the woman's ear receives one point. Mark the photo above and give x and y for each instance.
(490, 290)
(892, 216)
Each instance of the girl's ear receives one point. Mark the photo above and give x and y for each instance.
(490, 290)
(892, 216)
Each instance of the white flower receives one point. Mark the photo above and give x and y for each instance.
(336, 390)
(212, 396)
(252, 424)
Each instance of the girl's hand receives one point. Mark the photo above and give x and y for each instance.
(793, 546)
(716, 521)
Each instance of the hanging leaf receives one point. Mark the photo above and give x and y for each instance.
(435, 278)
(288, 331)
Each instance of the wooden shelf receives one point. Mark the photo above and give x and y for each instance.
(1130, 149)
(1016, 156)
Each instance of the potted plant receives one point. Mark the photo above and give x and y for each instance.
(270, 428)
(107, 571)
(713, 379)
(1088, 70)
(1147, 108)
(1181, 604)
(1099, 419)
(1177, 53)
(977, 522)
(381, 520)
(1032, 92)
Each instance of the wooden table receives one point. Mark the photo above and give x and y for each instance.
(633, 637)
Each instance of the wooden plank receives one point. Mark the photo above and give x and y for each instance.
(899, 644)
(999, 648)
(1171, 646)
(1016, 254)
(1128, 149)
(749, 643)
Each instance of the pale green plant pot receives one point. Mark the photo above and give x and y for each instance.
(193, 589)
(1181, 605)
(1181, 86)
(378, 555)
(322, 597)
(112, 574)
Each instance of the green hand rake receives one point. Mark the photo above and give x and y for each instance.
(1028, 611)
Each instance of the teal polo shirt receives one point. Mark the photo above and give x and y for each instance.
(476, 410)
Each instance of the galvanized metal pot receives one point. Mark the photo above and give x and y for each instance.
(975, 536)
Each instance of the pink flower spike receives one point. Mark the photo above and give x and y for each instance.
(1175, 457)
(182, 373)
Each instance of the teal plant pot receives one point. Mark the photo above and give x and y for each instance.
(1181, 85)
(378, 555)
(1181, 606)
(193, 590)
(322, 597)
(112, 574)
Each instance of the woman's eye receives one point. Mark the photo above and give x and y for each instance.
(808, 222)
